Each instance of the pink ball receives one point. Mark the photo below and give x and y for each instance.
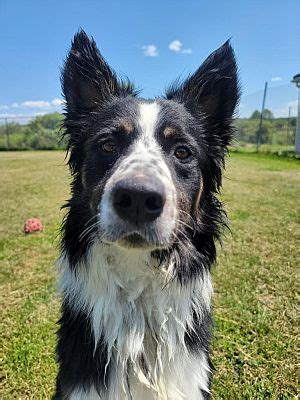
(33, 225)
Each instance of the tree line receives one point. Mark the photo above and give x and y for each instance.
(41, 133)
(274, 131)
(44, 132)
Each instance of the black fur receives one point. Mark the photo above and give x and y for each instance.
(80, 363)
(202, 108)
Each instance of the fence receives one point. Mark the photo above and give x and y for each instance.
(268, 119)
(31, 132)
(273, 130)
(274, 134)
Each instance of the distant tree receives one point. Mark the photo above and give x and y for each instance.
(47, 121)
(255, 115)
(267, 114)
(43, 132)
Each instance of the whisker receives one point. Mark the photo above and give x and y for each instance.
(184, 212)
(183, 223)
(88, 230)
(183, 234)
(90, 219)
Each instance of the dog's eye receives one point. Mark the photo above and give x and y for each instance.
(109, 146)
(182, 152)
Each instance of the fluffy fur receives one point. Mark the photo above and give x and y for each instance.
(136, 293)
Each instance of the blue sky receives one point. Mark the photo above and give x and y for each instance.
(152, 42)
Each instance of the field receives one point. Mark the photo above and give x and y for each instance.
(255, 301)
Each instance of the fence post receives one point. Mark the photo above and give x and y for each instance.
(296, 80)
(297, 139)
(288, 126)
(7, 134)
(261, 118)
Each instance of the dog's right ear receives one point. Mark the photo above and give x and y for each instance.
(87, 80)
(212, 91)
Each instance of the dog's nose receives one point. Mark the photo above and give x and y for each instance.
(138, 202)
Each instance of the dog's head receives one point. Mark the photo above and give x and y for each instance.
(145, 170)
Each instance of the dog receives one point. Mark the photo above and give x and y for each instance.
(139, 237)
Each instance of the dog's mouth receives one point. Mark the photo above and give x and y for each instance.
(133, 240)
(137, 240)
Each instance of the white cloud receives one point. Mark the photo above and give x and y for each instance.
(36, 104)
(176, 46)
(57, 102)
(150, 50)
(276, 79)
(31, 104)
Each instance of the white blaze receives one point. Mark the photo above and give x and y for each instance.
(148, 118)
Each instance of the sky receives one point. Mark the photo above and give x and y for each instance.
(152, 42)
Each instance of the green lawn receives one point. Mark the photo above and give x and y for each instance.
(254, 350)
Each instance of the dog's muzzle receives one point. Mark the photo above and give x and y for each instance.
(138, 201)
(138, 206)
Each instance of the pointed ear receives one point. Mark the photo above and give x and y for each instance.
(87, 80)
(213, 90)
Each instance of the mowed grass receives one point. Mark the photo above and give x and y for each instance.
(254, 351)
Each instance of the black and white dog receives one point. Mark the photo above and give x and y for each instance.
(139, 236)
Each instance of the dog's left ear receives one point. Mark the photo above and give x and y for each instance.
(213, 90)
(87, 80)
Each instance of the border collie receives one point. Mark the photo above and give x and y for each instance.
(138, 241)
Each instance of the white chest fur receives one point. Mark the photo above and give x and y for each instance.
(129, 305)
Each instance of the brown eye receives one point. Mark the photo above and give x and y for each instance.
(109, 146)
(182, 153)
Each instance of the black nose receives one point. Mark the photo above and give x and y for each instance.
(138, 202)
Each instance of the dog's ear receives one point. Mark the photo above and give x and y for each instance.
(87, 80)
(213, 90)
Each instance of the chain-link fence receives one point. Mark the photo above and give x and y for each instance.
(31, 132)
(267, 120)
(270, 134)
(272, 130)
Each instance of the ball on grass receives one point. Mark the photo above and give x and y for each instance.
(33, 225)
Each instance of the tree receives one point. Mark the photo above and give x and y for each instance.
(255, 115)
(267, 114)
(48, 121)
(43, 132)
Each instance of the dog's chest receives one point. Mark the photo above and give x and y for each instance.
(142, 321)
(135, 312)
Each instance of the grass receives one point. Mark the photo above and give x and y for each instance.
(254, 350)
